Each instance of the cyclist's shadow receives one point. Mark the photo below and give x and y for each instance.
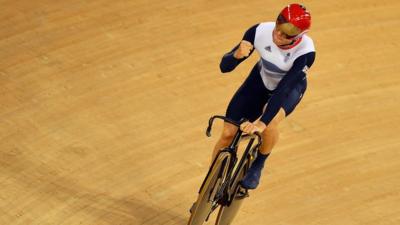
(129, 211)
(152, 215)
(85, 202)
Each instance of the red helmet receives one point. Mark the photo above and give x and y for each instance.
(294, 20)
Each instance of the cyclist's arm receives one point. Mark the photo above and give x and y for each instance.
(229, 62)
(294, 75)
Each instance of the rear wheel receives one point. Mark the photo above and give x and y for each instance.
(206, 201)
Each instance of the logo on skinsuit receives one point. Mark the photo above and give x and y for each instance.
(287, 57)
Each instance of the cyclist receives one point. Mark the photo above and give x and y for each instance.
(274, 86)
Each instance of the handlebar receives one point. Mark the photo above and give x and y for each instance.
(210, 123)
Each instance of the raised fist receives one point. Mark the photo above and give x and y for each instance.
(244, 50)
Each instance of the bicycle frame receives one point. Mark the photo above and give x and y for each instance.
(232, 150)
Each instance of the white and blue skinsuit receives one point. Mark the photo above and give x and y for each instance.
(278, 78)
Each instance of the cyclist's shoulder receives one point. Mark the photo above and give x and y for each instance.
(265, 26)
(307, 43)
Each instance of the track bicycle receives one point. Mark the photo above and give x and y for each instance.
(221, 186)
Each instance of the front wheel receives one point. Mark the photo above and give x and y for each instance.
(228, 212)
(206, 201)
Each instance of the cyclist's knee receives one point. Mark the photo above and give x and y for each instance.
(272, 128)
(273, 125)
(228, 132)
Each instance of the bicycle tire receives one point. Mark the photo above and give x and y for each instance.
(203, 206)
(227, 213)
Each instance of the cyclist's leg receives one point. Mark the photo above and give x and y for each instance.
(228, 132)
(269, 138)
(270, 135)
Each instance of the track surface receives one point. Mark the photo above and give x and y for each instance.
(103, 106)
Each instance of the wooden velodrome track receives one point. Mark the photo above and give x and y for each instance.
(103, 107)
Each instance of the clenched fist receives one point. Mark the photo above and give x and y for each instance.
(244, 50)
